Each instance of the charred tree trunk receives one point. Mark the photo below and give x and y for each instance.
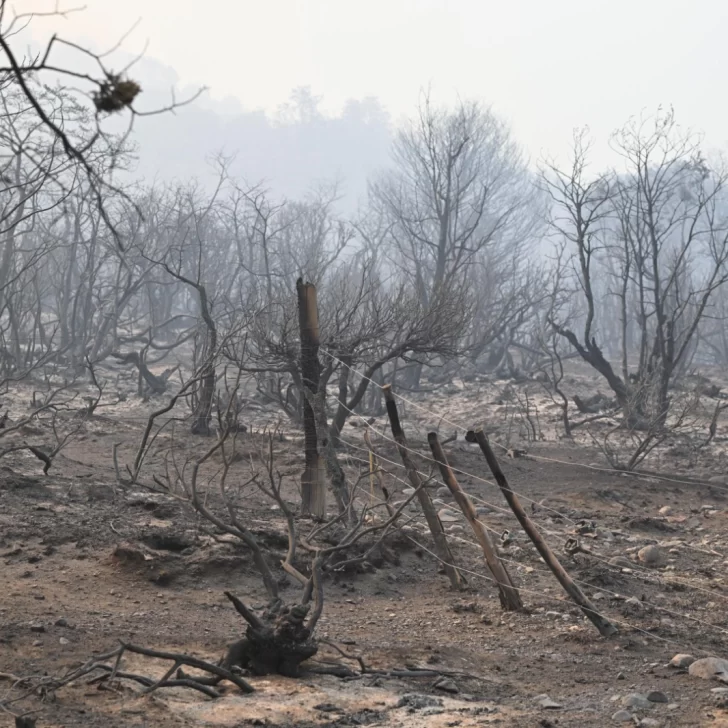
(414, 376)
(158, 385)
(313, 483)
(275, 643)
(202, 416)
(342, 412)
(376, 401)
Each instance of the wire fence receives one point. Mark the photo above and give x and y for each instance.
(543, 514)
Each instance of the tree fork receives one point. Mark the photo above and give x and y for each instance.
(605, 627)
(509, 597)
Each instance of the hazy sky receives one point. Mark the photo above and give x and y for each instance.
(545, 65)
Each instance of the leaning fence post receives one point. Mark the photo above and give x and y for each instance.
(442, 547)
(605, 627)
(509, 597)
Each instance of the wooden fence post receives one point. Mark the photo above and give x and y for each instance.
(442, 547)
(509, 597)
(313, 480)
(605, 627)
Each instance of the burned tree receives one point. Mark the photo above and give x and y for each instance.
(459, 211)
(313, 484)
(110, 92)
(652, 243)
(280, 638)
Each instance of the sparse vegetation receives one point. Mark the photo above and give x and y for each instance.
(203, 405)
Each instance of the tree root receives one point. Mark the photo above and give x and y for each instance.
(148, 682)
(276, 643)
(109, 663)
(218, 671)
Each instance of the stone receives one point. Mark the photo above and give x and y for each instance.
(444, 492)
(63, 641)
(656, 696)
(128, 553)
(545, 702)
(621, 561)
(636, 700)
(446, 685)
(710, 668)
(37, 627)
(649, 723)
(622, 716)
(682, 660)
(652, 556)
(447, 516)
(665, 511)
(61, 622)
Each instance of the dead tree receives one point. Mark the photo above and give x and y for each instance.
(281, 637)
(205, 393)
(148, 437)
(635, 238)
(202, 415)
(313, 483)
(455, 200)
(110, 93)
(157, 384)
(47, 411)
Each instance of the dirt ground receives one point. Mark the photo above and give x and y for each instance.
(87, 562)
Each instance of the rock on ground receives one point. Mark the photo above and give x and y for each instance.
(636, 700)
(657, 696)
(622, 716)
(682, 660)
(652, 556)
(710, 668)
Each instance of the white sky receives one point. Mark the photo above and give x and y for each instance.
(546, 66)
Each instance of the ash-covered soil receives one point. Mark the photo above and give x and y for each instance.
(87, 562)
